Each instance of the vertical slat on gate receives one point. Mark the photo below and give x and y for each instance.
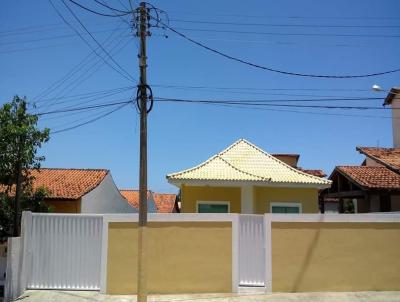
(251, 250)
(66, 252)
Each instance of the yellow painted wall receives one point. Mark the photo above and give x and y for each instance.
(263, 196)
(64, 206)
(335, 257)
(183, 257)
(191, 194)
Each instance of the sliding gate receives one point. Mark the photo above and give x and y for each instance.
(65, 252)
(252, 267)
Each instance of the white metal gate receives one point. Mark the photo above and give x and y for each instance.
(65, 252)
(252, 267)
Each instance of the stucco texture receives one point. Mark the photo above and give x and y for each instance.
(310, 257)
(183, 257)
(263, 196)
(192, 194)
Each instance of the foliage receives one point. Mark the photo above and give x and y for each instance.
(31, 201)
(348, 207)
(20, 140)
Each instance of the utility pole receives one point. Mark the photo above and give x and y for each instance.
(142, 104)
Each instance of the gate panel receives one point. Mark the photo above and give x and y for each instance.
(251, 250)
(65, 252)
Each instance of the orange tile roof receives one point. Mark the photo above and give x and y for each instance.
(165, 203)
(315, 172)
(369, 177)
(66, 183)
(389, 157)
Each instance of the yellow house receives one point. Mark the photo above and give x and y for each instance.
(245, 179)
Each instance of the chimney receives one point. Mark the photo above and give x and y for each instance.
(393, 99)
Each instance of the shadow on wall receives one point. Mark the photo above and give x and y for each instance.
(309, 256)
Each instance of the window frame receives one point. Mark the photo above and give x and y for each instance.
(212, 202)
(286, 204)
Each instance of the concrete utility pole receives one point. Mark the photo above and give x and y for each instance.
(142, 100)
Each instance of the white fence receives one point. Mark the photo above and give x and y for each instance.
(64, 252)
(251, 251)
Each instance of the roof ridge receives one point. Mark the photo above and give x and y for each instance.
(285, 164)
(74, 169)
(251, 174)
(204, 162)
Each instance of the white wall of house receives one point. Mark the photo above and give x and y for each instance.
(105, 198)
(396, 121)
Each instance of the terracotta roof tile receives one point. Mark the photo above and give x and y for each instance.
(67, 183)
(390, 157)
(165, 203)
(315, 172)
(372, 177)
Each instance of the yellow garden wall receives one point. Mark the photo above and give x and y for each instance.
(183, 257)
(263, 196)
(333, 256)
(191, 194)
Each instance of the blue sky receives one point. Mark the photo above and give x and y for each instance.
(321, 37)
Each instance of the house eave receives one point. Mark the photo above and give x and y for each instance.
(239, 183)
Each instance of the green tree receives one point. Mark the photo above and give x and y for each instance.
(20, 140)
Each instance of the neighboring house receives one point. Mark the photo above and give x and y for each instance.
(393, 99)
(245, 179)
(80, 190)
(375, 185)
(293, 159)
(156, 202)
(372, 187)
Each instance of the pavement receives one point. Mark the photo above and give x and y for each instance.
(87, 296)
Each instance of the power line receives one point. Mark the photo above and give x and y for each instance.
(89, 121)
(288, 34)
(301, 112)
(112, 8)
(82, 108)
(283, 25)
(54, 37)
(239, 60)
(129, 77)
(266, 103)
(98, 13)
(293, 17)
(87, 73)
(84, 62)
(258, 88)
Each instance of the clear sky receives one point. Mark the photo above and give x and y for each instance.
(320, 37)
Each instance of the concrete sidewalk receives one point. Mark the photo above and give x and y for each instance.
(85, 296)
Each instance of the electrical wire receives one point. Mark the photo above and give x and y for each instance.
(98, 13)
(82, 108)
(302, 111)
(89, 121)
(239, 60)
(266, 103)
(70, 74)
(129, 77)
(288, 34)
(111, 8)
(283, 25)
